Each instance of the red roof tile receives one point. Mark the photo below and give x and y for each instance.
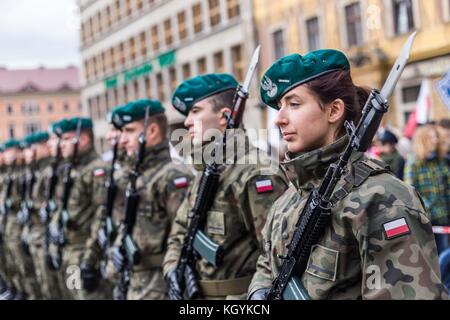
(41, 79)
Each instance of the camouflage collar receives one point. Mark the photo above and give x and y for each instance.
(311, 166)
(236, 136)
(155, 154)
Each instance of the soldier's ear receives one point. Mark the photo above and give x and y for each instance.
(224, 112)
(336, 111)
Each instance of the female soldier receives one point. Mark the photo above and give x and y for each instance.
(379, 243)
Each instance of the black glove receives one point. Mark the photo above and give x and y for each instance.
(118, 258)
(118, 293)
(260, 294)
(191, 282)
(90, 277)
(174, 285)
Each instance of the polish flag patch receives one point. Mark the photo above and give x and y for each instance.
(396, 228)
(180, 182)
(441, 229)
(264, 186)
(99, 172)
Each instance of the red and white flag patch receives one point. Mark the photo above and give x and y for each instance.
(441, 229)
(396, 228)
(264, 186)
(180, 182)
(99, 172)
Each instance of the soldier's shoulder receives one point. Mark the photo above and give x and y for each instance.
(95, 168)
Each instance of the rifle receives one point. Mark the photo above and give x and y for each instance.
(128, 246)
(46, 212)
(7, 204)
(108, 232)
(59, 237)
(196, 242)
(316, 214)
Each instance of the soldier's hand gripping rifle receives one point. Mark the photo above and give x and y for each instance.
(128, 247)
(59, 236)
(7, 204)
(196, 241)
(316, 213)
(46, 212)
(108, 232)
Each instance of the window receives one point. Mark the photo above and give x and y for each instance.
(214, 12)
(125, 93)
(218, 62)
(99, 22)
(103, 62)
(155, 38)
(122, 55)
(80, 106)
(201, 65)
(129, 7)
(160, 84)
(278, 43)
(11, 131)
(410, 94)
(91, 27)
(30, 128)
(108, 16)
(403, 16)
(186, 69)
(238, 66)
(168, 32)
(136, 89)
(173, 79)
(233, 8)
(112, 57)
(9, 108)
(182, 29)
(354, 26)
(312, 29)
(132, 49)
(143, 44)
(197, 17)
(140, 4)
(148, 87)
(66, 106)
(50, 107)
(118, 13)
(94, 64)
(30, 108)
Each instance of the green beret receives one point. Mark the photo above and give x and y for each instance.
(198, 88)
(69, 125)
(2, 148)
(36, 137)
(135, 111)
(12, 143)
(294, 70)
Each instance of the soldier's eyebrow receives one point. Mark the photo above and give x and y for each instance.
(288, 98)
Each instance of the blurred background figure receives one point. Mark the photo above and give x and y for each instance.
(388, 152)
(429, 174)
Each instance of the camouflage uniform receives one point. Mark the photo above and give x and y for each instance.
(14, 250)
(47, 279)
(94, 255)
(356, 258)
(3, 273)
(235, 222)
(86, 195)
(160, 199)
(27, 267)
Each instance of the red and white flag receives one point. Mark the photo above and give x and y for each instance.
(423, 106)
(99, 172)
(264, 186)
(441, 229)
(396, 228)
(180, 182)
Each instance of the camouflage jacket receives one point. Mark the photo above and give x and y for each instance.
(360, 255)
(86, 195)
(237, 215)
(160, 198)
(93, 253)
(37, 229)
(13, 229)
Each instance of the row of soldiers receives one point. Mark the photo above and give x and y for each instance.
(74, 227)
(78, 207)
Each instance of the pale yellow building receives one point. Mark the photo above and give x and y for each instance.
(371, 33)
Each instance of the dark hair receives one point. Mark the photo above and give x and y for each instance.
(339, 85)
(444, 123)
(161, 120)
(223, 99)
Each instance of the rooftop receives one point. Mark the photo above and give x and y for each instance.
(39, 80)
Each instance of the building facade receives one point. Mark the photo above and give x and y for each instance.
(371, 33)
(135, 49)
(31, 99)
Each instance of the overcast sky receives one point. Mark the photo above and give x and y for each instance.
(39, 32)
